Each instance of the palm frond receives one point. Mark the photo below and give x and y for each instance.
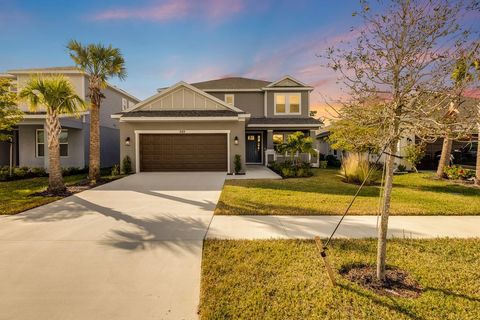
(101, 62)
(55, 93)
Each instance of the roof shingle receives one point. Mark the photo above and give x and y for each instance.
(231, 83)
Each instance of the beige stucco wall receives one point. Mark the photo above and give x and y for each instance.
(237, 128)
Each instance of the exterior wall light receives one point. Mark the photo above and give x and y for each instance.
(235, 140)
(127, 141)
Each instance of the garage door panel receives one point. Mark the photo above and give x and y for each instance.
(183, 152)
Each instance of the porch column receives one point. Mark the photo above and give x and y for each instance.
(314, 161)
(269, 139)
(269, 152)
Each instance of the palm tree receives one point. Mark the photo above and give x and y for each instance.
(57, 96)
(100, 63)
(297, 143)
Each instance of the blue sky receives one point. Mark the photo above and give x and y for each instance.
(165, 41)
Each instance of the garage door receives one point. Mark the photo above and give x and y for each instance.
(183, 152)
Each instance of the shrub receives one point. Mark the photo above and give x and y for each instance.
(332, 161)
(414, 153)
(322, 164)
(70, 171)
(458, 173)
(237, 163)
(401, 168)
(38, 171)
(127, 165)
(21, 173)
(355, 170)
(289, 170)
(115, 170)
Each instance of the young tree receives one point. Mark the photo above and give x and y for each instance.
(414, 153)
(57, 96)
(356, 129)
(100, 63)
(10, 115)
(402, 49)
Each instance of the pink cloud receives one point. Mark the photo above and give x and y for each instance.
(162, 11)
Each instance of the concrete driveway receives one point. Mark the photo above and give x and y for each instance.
(130, 249)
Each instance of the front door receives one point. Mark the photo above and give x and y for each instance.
(254, 147)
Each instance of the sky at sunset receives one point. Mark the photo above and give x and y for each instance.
(165, 41)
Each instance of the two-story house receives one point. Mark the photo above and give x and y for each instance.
(29, 138)
(203, 126)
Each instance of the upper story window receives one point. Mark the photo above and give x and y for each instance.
(124, 104)
(288, 103)
(131, 104)
(230, 99)
(40, 143)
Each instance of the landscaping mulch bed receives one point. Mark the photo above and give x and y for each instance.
(77, 187)
(398, 283)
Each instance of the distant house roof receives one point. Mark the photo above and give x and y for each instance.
(231, 83)
(65, 69)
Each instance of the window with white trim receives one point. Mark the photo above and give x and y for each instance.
(230, 99)
(124, 104)
(40, 143)
(288, 103)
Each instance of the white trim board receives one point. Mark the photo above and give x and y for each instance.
(139, 132)
(283, 125)
(154, 119)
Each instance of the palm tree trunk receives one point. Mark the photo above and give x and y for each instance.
(445, 156)
(94, 155)
(55, 180)
(387, 194)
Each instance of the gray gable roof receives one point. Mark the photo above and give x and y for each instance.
(232, 83)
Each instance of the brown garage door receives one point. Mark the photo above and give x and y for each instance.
(183, 152)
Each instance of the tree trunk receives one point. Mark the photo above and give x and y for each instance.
(445, 156)
(382, 231)
(10, 169)
(94, 155)
(55, 180)
(477, 165)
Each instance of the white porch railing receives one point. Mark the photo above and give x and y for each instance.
(272, 155)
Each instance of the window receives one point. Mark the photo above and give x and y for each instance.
(124, 104)
(40, 143)
(287, 103)
(229, 99)
(131, 104)
(40, 149)
(277, 138)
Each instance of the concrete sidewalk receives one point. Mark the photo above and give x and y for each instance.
(300, 227)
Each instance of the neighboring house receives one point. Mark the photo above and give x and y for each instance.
(29, 138)
(202, 126)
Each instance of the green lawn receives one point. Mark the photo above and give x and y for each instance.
(286, 279)
(326, 194)
(15, 195)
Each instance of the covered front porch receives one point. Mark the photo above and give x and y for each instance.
(261, 146)
(29, 145)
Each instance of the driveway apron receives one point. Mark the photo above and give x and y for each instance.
(130, 249)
